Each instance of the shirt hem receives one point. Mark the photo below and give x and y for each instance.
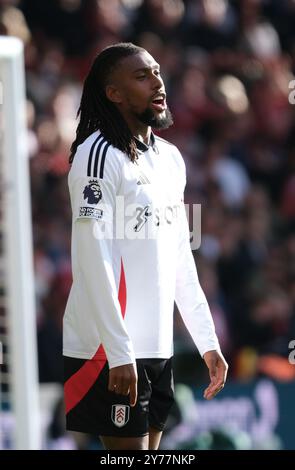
(138, 355)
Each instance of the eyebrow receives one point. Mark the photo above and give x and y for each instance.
(146, 69)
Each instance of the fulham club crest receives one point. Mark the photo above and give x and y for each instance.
(120, 415)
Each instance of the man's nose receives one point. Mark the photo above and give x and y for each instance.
(157, 82)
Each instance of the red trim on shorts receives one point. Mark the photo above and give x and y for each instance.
(76, 387)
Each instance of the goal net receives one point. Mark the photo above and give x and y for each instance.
(19, 399)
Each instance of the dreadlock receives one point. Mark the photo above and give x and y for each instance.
(96, 111)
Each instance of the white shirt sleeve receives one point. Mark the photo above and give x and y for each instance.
(93, 205)
(189, 295)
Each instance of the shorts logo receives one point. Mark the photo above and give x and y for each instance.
(92, 192)
(120, 415)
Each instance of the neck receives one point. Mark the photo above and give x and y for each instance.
(140, 130)
(142, 134)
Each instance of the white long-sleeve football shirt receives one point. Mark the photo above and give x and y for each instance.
(131, 255)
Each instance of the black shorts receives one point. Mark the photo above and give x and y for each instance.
(93, 409)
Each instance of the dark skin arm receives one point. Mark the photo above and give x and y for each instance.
(123, 381)
(217, 367)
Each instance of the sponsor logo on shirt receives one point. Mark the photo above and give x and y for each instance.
(159, 215)
(92, 192)
(120, 415)
(142, 214)
(134, 221)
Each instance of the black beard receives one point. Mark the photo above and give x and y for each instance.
(150, 119)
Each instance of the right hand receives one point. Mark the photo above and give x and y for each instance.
(123, 381)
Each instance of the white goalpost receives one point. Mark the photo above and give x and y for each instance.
(17, 299)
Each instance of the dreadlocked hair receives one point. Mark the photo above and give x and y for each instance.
(96, 111)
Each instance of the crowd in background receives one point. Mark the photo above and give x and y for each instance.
(228, 67)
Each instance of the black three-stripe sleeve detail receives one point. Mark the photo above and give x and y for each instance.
(103, 160)
(97, 157)
(91, 155)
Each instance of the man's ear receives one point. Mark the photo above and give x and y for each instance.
(113, 94)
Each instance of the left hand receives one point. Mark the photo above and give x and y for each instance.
(218, 367)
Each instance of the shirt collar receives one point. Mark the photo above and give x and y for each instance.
(144, 147)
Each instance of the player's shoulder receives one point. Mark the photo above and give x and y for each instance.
(96, 157)
(166, 146)
(163, 142)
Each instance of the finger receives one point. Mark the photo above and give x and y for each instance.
(125, 386)
(219, 383)
(213, 394)
(111, 384)
(216, 388)
(119, 386)
(208, 394)
(213, 383)
(126, 390)
(212, 388)
(133, 393)
(213, 372)
(209, 390)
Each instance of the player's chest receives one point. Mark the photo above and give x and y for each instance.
(151, 181)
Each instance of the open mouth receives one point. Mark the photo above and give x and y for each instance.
(159, 104)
